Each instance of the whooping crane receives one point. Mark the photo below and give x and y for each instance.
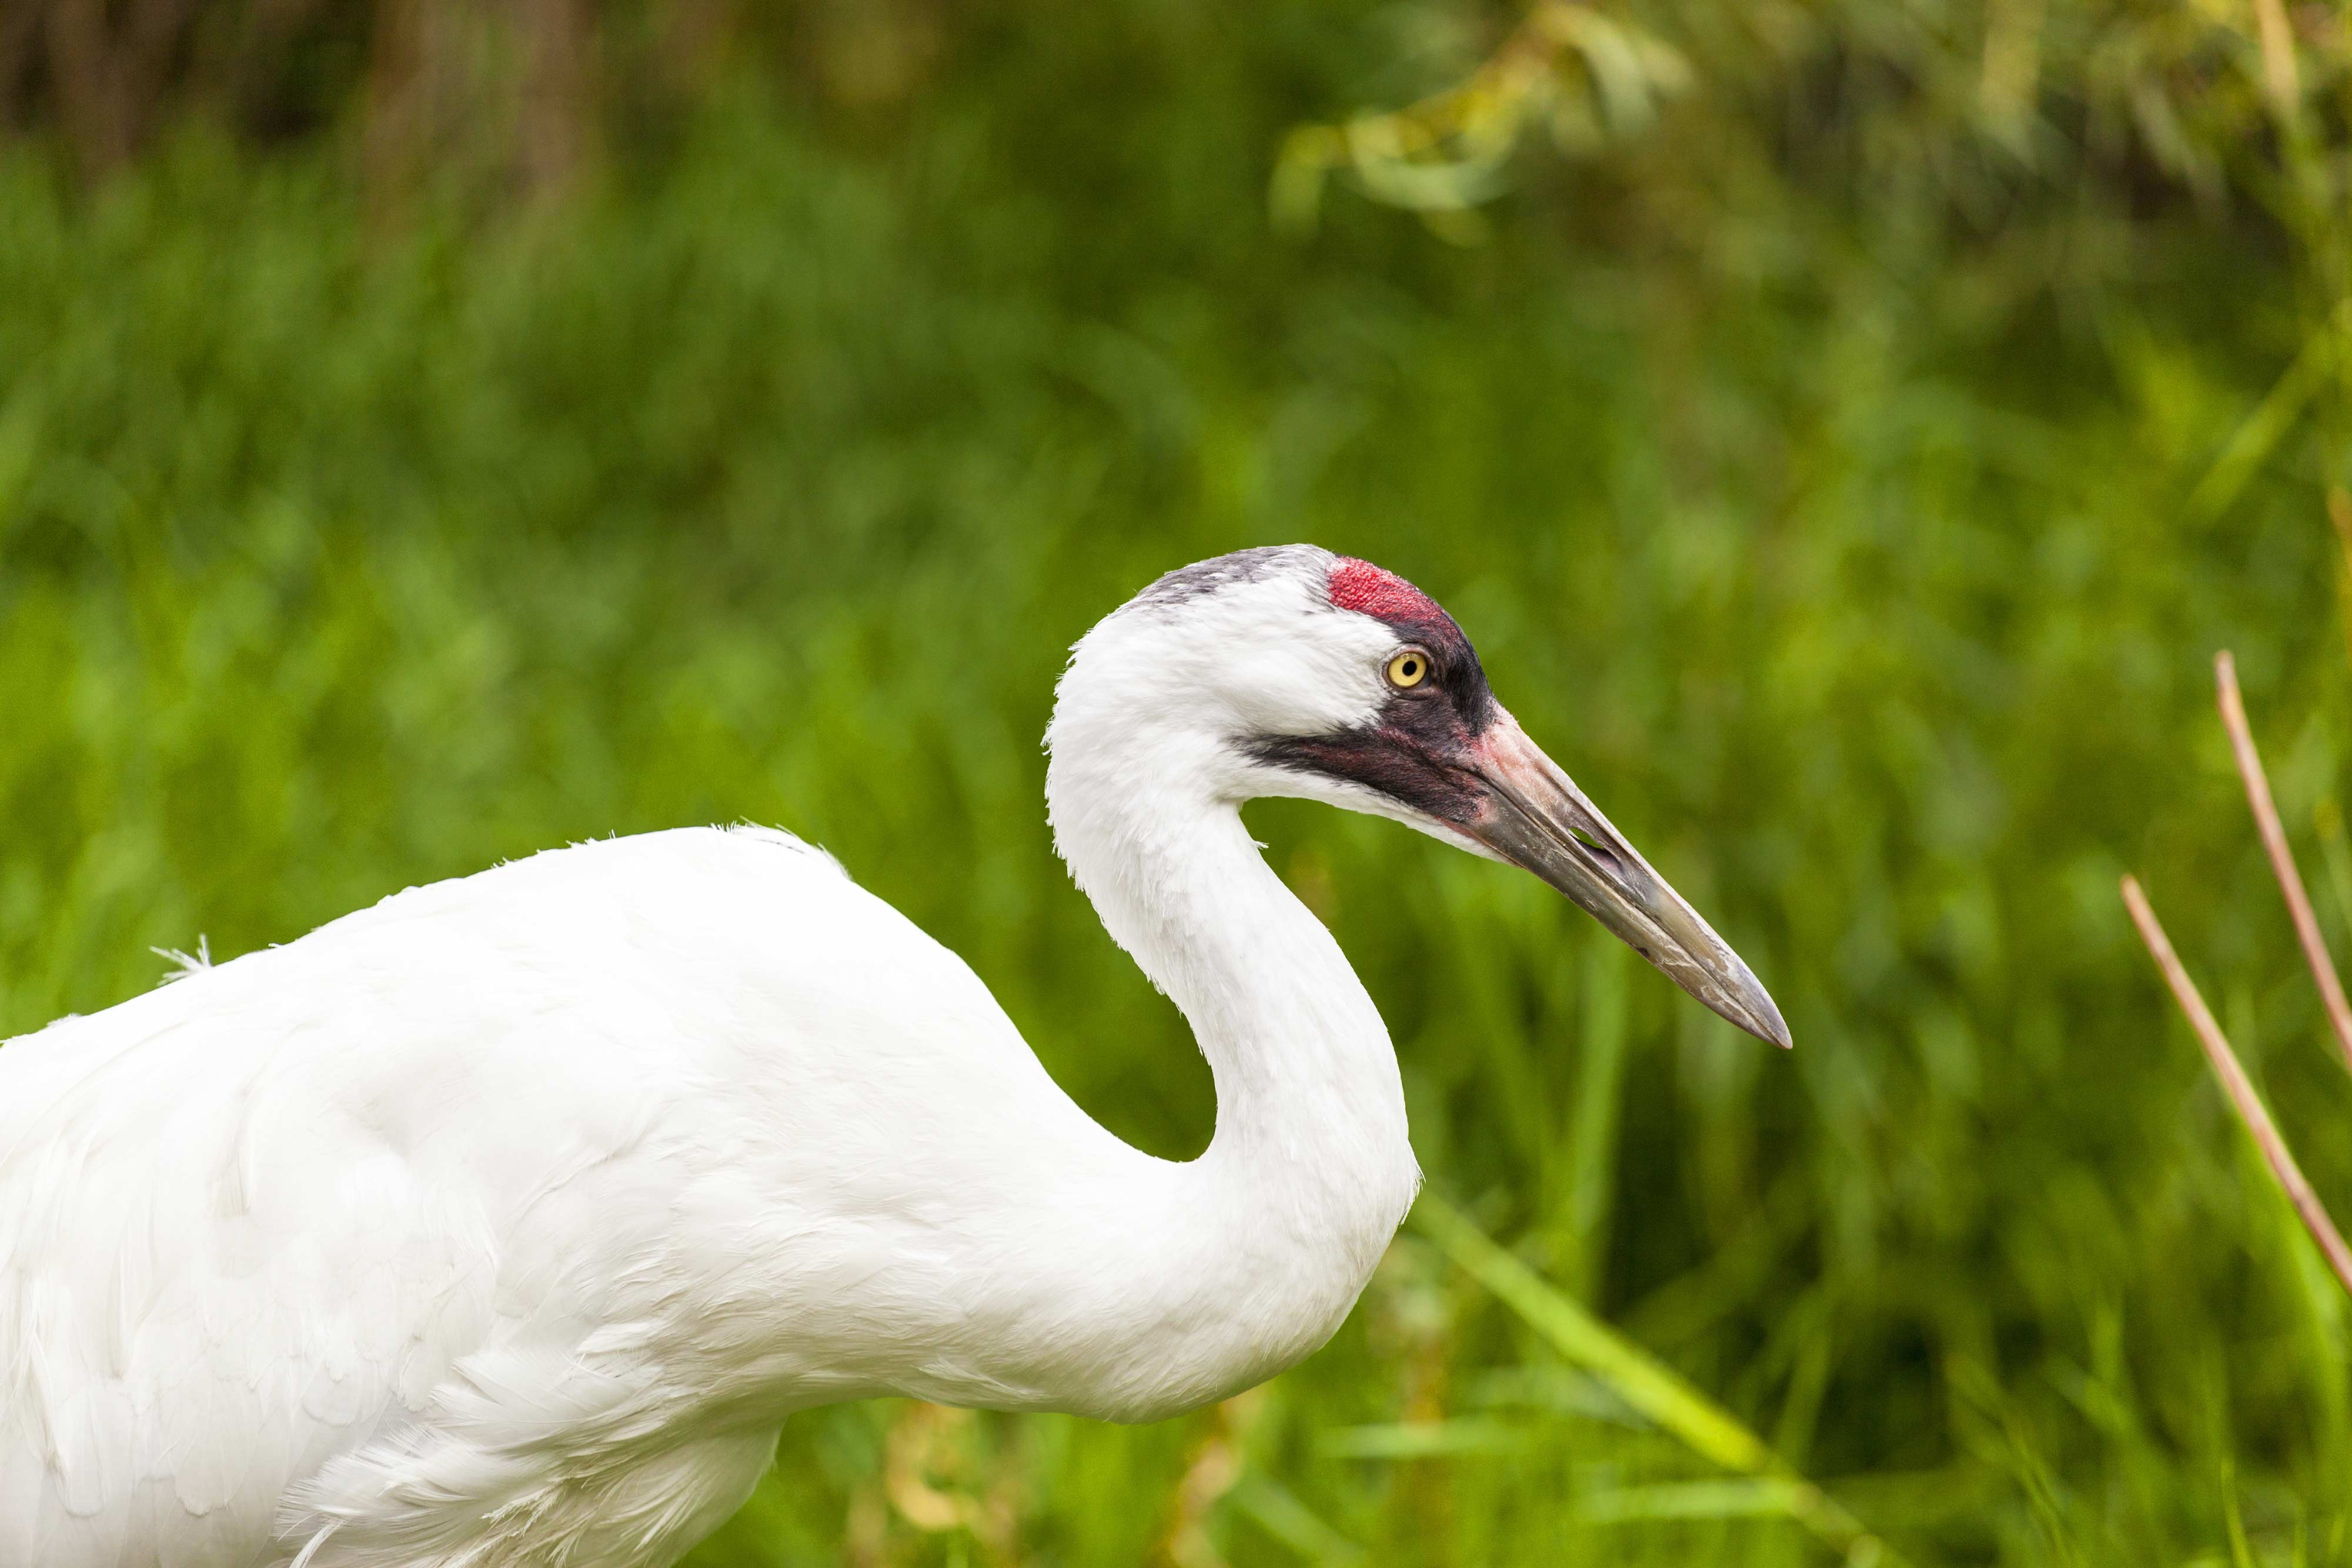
(503, 1223)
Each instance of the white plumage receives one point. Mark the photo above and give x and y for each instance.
(504, 1222)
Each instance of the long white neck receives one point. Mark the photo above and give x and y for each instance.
(1260, 1245)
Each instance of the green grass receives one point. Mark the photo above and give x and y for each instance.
(1871, 589)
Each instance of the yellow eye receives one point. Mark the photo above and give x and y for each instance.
(1408, 669)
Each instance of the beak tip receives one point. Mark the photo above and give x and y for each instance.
(1535, 818)
(1763, 1019)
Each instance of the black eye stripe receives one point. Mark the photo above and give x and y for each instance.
(1393, 760)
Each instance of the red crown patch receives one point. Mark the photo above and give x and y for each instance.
(1360, 586)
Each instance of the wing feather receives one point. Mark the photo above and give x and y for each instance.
(266, 1231)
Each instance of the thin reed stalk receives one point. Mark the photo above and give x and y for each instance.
(2290, 879)
(2240, 1089)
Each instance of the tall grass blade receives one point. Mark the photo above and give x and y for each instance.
(1644, 1383)
(1593, 1132)
(2261, 432)
(1281, 1515)
(1693, 1499)
(1422, 1439)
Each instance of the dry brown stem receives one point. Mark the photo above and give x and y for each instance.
(2239, 1088)
(2280, 77)
(2290, 880)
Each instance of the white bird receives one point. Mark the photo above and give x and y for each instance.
(503, 1224)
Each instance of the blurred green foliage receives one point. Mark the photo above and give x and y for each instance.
(1847, 471)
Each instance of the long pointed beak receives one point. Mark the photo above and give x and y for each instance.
(1535, 818)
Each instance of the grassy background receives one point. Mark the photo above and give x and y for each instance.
(1848, 476)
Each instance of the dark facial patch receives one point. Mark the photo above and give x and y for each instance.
(1419, 749)
(1432, 779)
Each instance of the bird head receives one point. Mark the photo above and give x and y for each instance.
(1289, 671)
